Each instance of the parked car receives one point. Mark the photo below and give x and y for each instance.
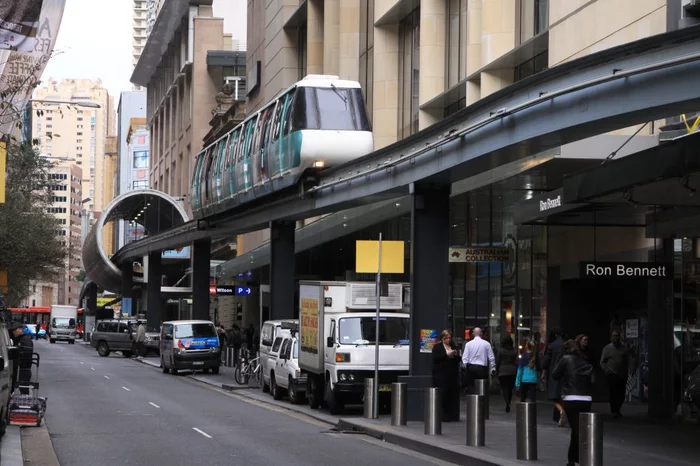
(36, 331)
(189, 344)
(120, 335)
(286, 375)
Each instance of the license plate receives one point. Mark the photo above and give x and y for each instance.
(198, 363)
(385, 388)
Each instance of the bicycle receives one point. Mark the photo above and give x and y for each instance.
(246, 370)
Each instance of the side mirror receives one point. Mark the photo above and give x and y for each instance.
(329, 342)
(267, 342)
(12, 353)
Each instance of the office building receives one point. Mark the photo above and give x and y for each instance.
(183, 80)
(139, 28)
(75, 129)
(66, 207)
(110, 178)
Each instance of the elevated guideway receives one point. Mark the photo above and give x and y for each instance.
(646, 80)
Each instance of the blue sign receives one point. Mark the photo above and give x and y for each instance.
(245, 275)
(243, 291)
(126, 306)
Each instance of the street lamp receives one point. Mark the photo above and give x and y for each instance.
(67, 102)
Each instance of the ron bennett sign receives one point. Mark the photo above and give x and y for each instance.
(626, 270)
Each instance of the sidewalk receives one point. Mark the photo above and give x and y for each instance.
(11, 447)
(633, 440)
(224, 379)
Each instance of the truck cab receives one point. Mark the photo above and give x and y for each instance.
(338, 334)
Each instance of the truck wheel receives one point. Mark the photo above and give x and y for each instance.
(51, 340)
(71, 342)
(334, 402)
(312, 393)
(103, 349)
(294, 395)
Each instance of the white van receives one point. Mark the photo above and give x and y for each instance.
(189, 344)
(269, 347)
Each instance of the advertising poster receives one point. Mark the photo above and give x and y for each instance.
(309, 325)
(428, 339)
(28, 31)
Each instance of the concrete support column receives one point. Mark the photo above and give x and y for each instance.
(201, 259)
(429, 268)
(282, 268)
(91, 298)
(154, 303)
(661, 364)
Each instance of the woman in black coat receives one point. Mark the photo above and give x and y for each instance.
(446, 363)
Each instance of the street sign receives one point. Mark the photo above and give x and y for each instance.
(243, 291)
(367, 256)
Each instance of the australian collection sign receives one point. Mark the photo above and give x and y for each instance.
(479, 254)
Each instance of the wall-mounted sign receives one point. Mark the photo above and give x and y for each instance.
(179, 253)
(224, 290)
(627, 270)
(479, 254)
(550, 203)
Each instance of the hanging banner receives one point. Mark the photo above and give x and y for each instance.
(28, 31)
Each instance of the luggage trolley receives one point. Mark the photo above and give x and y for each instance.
(28, 409)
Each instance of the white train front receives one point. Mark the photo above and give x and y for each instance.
(318, 123)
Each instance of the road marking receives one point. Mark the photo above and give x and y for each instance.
(153, 404)
(202, 432)
(126, 389)
(92, 368)
(107, 377)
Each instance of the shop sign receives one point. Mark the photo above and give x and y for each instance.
(479, 254)
(548, 203)
(631, 328)
(626, 270)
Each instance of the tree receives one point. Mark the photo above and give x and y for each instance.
(30, 249)
(81, 276)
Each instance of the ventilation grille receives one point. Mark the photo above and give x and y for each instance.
(363, 296)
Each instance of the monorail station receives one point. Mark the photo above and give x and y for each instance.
(520, 214)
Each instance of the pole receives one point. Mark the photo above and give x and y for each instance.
(526, 431)
(375, 400)
(590, 439)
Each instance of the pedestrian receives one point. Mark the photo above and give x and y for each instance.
(237, 342)
(140, 340)
(477, 359)
(446, 375)
(526, 379)
(575, 375)
(615, 363)
(582, 341)
(507, 369)
(250, 338)
(552, 355)
(22, 338)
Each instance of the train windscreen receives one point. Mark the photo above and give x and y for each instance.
(334, 108)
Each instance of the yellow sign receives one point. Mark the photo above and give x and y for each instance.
(367, 252)
(101, 302)
(3, 159)
(3, 275)
(309, 325)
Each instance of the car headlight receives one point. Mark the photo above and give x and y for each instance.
(343, 377)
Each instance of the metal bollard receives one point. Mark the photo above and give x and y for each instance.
(526, 430)
(432, 414)
(229, 356)
(590, 439)
(482, 388)
(399, 397)
(369, 398)
(476, 421)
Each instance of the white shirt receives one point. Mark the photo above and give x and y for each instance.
(479, 352)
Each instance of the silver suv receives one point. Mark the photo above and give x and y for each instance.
(120, 335)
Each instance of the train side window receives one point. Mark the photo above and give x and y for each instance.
(305, 115)
(232, 145)
(223, 149)
(279, 117)
(207, 170)
(260, 130)
(245, 153)
(269, 125)
(289, 115)
(241, 143)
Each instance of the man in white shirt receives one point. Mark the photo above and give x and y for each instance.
(477, 358)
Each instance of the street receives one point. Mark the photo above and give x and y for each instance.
(107, 411)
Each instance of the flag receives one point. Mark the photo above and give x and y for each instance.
(28, 31)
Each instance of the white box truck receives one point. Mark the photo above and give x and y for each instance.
(62, 323)
(337, 333)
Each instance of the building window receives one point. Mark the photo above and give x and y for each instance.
(409, 66)
(141, 159)
(534, 18)
(141, 139)
(532, 66)
(143, 184)
(79, 134)
(367, 54)
(301, 46)
(456, 42)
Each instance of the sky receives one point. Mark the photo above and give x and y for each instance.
(94, 40)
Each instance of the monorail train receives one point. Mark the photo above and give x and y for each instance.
(318, 123)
